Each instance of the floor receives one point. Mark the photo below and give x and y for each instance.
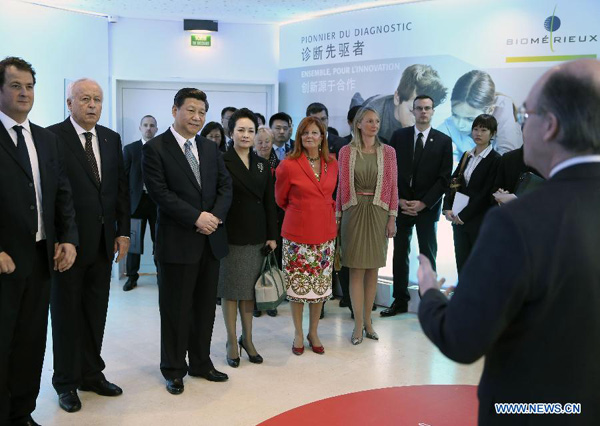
(254, 393)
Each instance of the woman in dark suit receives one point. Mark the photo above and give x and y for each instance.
(251, 225)
(474, 177)
(304, 188)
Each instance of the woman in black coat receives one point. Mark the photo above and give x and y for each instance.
(251, 229)
(474, 178)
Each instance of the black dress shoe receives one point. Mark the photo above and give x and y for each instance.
(130, 284)
(256, 313)
(272, 312)
(175, 386)
(395, 309)
(374, 308)
(255, 359)
(25, 422)
(212, 375)
(69, 401)
(102, 387)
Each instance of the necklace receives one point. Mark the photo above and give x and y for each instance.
(312, 162)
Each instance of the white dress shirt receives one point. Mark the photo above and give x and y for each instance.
(181, 141)
(9, 123)
(474, 161)
(95, 143)
(416, 136)
(574, 161)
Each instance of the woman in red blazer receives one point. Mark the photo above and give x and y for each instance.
(304, 188)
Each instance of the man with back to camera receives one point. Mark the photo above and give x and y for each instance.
(424, 158)
(395, 110)
(38, 234)
(281, 125)
(528, 294)
(187, 179)
(142, 206)
(79, 301)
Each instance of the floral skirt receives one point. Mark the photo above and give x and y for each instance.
(308, 269)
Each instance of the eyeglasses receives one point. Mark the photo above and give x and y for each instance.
(427, 108)
(523, 114)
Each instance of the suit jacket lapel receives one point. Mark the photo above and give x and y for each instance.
(305, 166)
(42, 151)
(104, 153)
(7, 143)
(247, 177)
(175, 150)
(71, 138)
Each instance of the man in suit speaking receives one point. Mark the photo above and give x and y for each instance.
(37, 234)
(187, 179)
(528, 295)
(424, 158)
(79, 301)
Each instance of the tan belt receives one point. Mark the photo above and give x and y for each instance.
(365, 193)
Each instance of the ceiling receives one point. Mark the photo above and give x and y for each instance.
(234, 11)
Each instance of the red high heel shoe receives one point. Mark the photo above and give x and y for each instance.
(316, 349)
(297, 351)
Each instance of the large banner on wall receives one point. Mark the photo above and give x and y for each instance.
(470, 56)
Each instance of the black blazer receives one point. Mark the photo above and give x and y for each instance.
(479, 190)
(528, 300)
(103, 209)
(132, 160)
(510, 168)
(173, 187)
(18, 220)
(433, 172)
(252, 218)
(335, 143)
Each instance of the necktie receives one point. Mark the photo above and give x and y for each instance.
(281, 153)
(89, 153)
(22, 152)
(192, 161)
(417, 156)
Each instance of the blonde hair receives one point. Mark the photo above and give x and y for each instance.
(357, 140)
(267, 131)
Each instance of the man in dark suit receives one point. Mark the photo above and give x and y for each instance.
(281, 126)
(79, 302)
(142, 206)
(528, 294)
(38, 234)
(186, 177)
(424, 158)
(318, 110)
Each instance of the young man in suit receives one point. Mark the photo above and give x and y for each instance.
(142, 206)
(186, 177)
(528, 294)
(79, 302)
(281, 125)
(316, 109)
(424, 158)
(38, 235)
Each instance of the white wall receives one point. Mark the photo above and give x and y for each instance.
(60, 45)
(67, 45)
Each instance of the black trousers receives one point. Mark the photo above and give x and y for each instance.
(187, 294)
(427, 238)
(146, 211)
(78, 304)
(464, 240)
(23, 325)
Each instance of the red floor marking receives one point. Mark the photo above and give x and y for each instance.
(431, 405)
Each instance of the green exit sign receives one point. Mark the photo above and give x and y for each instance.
(201, 40)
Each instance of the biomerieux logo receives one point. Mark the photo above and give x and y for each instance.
(560, 41)
(552, 24)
